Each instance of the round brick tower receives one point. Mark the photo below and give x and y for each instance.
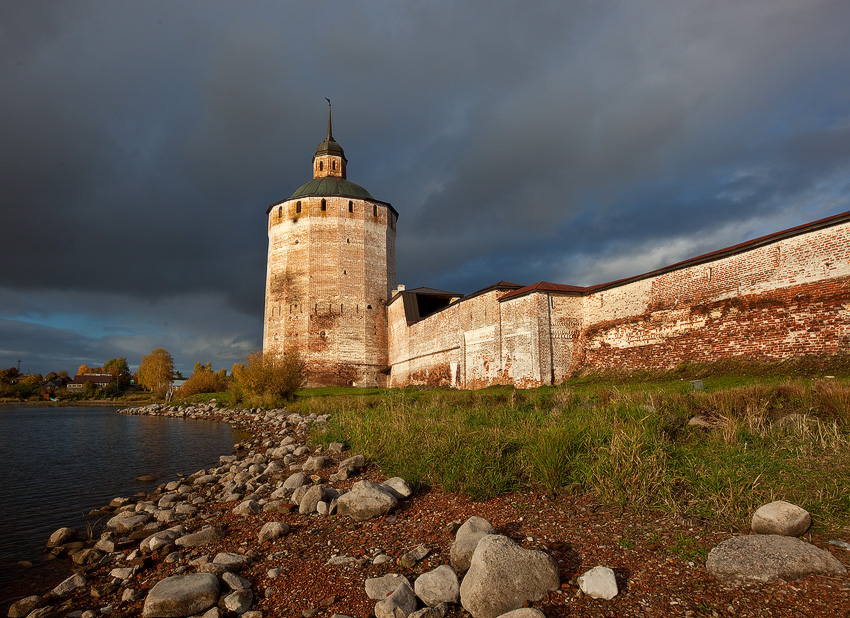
(331, 267)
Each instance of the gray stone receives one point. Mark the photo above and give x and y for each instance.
(230, 561)
(438, 586)
(379, 588)
(398, 487)
(87, 556)
(524, 612)
(181, 595)
(239, 601)
(131, 596)
(234, 582)
(599, 583)
(124, 524)
(160, 539)
(318, 462)
(206, 479)
(202, 537)
(121, 573)
(296, 480)
(298, 493)
(336, 448)
(248, 507)
(68, 586)
(272, 530)
(400, 604)
(466, 539)
(766, 558)
(19, 609)
(780, 517)
(502, 576)
(366, 500)
(308, 503)
(438, 611)
(413, 556)
(353, 464)
(61, 536)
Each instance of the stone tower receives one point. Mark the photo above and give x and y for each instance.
(331, 266)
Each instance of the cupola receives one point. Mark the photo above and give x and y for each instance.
(329, 159)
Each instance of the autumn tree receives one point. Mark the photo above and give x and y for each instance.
(156, 371)
(120, 371)
(83, 369)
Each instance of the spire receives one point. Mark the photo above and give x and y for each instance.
(329, 159)
(330, 132)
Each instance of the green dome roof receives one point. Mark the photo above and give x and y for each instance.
(331, 185)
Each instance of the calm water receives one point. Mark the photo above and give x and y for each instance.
(58, 463)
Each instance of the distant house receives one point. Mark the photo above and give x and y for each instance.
(100, 380)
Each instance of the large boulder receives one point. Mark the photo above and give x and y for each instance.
(181, 595)
(21, 608)
(763, 558)
(366, 500)
(438, 586)
(466, 539)
(503, 576)
(781, 517)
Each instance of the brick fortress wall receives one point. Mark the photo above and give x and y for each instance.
(785, 298)
(782, 296)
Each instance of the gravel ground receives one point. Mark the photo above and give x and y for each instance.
(658, 559)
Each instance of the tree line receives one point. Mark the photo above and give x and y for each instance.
(263, 380)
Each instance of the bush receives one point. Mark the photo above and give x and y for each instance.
(205, 381)
(268, 379)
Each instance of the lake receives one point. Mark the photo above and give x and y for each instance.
(58, 463)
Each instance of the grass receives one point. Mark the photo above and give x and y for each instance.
(624, 440)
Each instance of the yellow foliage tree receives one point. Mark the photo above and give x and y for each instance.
(156, 371)
(269, 377)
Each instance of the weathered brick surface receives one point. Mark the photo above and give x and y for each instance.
(784, 298)
(327, 280)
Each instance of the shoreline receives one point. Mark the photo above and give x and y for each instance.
(93, 403)
(320, 566)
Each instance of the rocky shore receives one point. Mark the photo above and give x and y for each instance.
(282, 529)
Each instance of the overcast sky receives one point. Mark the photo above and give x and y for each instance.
(572, 142)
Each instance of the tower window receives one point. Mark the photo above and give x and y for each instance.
(280, 212)
(350, 206)
(321, 165)
(333, 165)
(298, 207)
(324, 205)
(375, 210)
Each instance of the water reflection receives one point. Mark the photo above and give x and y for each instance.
(60, 463)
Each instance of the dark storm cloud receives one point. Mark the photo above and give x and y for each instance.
(579, 142)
